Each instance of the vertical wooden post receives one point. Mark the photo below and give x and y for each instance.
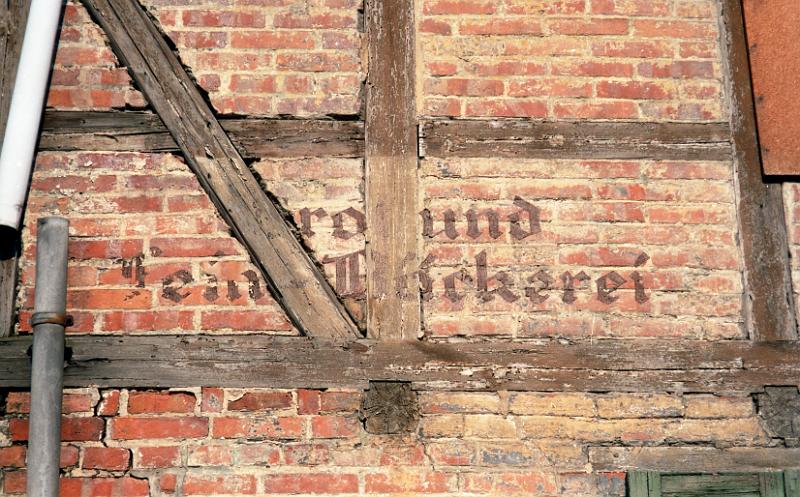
(393, 303)
(769, 303)
(13, 16)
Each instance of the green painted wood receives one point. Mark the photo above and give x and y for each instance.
(637, 484)
(693, 485)
(791, 482)
(772, 485)
(654, 483)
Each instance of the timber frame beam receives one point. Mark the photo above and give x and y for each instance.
(614, 365)
(768, 301)
(297, 283)
(390, 146)
(393, 297)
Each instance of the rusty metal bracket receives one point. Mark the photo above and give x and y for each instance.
(64, 320)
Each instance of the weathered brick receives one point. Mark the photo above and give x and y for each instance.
(107, 458)
(131, 428)
(556, 404)
(639, 406)
(160, 402)
(311, 484)
(260, 401)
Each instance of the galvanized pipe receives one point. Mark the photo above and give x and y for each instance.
(49, 319)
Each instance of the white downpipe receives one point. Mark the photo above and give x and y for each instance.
(27, 104)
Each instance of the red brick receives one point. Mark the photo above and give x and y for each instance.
(14, 482)
(597, 26)
(72, 429)
(408, 481)
(107, 458)
(109, 403)
(306, 454)
(308, 401)
(260, 401)
(259, 454)
(20, 403)
(210, 455)
(459, 7)
(673, 29)
(168, 482)
(515, 68)
(435, 27)
(244, 83)
(632, 90)
(311, 484)
(271, 40)
(501, 27)
(244, 320)
(596, 110)
(12, 457)
(222, 18)
(158, 457)
(160, 427)
(147, 321)
(228, 484)
(160, 402)
(109, 299)
(193, 247)
(319, 21)
(212, 400)
(104, 249)
(334, 426)
(340, 401)
(507, 108)
(272, 428)
(317, 62)
(69, 456)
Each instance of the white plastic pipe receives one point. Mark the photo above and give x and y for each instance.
(27, 104)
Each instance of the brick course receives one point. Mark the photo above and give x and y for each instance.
(614, 59)
(518, 443)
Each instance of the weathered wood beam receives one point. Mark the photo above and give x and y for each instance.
(393, 297)
(295, 280)
(145, 132)
(693, 459)
(13, 17)
(575, 140)
(769, 303)
(287, 362)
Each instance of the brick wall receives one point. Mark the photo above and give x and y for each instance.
(651, 60)
(621, 248)
(188, 442)
(86, 74)
(580, 249)
(149, 253)
(253, 57)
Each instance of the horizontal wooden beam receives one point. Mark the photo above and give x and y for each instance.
(693, 459)
(288, 362)
(144, 132)
(576, 140)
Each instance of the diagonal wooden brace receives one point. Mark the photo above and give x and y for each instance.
(296, 282)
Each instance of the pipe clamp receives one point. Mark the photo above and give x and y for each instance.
(51, 318)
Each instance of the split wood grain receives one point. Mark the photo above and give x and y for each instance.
(261, 361)
(144, 132)
(769, 306)
(393, 296)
